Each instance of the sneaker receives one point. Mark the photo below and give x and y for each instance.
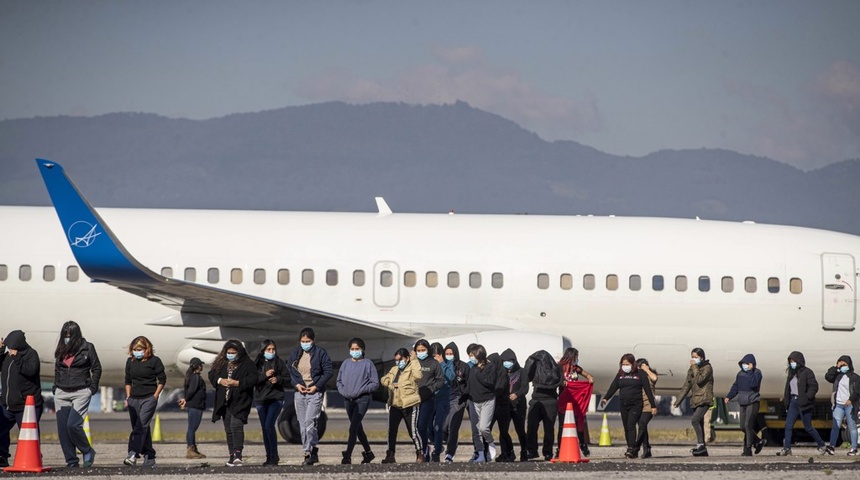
(491, 450)
(584, 449)
(449, 458)
(828, 450)
(148, 462)
(89, 458)
(822, 450)
(229, 463)
(700, 451)
(629, 454)
(853, 452)
(784, 452)
(478, 458)
(235, 461)
(131, 459)
(757, 448)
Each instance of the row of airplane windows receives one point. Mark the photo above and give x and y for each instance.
(431, 279)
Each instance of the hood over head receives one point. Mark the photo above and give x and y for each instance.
(16, 340)
(748, 358)
(453, 347)
(509, 355)
(847, 359)
(798, 357)
(494, 358)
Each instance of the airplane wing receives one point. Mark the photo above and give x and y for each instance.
(104, 259)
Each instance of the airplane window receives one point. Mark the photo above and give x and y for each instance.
(213, 275)
(331, 277)
(750, 285)
(4, 272)
(588, 281)
(704, 284)
(72, 273)
(635, 283)
(728, 284)
(358, 278)
(681, 283)
(475, 279)
(543, 281)
(566, 281)
(410, 279)
(773, 285)
(284, 276)
(431, 279)
(259, 276)
(386, 279)
(657, 283)
(236, 276)
(612, 282)
(166, 272)
(25, 272)
(453, 279)
(307, 277)
(795, 285)
(190, 275)
(48, 273)
(498, 280)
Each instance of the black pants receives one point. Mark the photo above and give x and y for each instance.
(235, 430)
(748, 417)
(506, 413)
(455, 419)
(356, 408)
(410, 417)
(698, 422)
(630, 414)
(543, 408)
(642, 439)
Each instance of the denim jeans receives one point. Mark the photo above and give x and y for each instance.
(443, 403)
(195, 415)
(268, 413)
(805, 416)
(847, 412)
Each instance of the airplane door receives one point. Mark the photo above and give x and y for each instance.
(838, 276)
(386, 284)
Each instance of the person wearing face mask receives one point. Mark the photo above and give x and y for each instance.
(310, 371)
(272, 377)
(632, 384)
(699, 385)
(745, 391)
(442, 399)
(233, 376)
(431, 382)
(514, 410)
(648, 409)
(846, 393)
(545, 375)
(77, 372)
(19, 378)
(402, 384)
(193, 401)
(144, 381)
(457, 402)
(577, 389)
(799, 399)
(483, 384)
(357, 379)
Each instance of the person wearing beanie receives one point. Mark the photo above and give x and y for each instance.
(19, 367)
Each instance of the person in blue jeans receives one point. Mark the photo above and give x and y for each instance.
(799, 400)
(357, 379)
(846, 393)
(443, 402)
(272, 377)
(194, 403)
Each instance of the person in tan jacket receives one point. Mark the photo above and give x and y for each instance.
(403, 401)
(700, 387)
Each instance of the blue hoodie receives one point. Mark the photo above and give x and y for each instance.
(747, 384)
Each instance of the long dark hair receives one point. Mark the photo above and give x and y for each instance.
(644, 361)
(632, 360)
(221, 359)
(359, 342)
(192, 367)
(698, 351)
(479, 352)
(76, 340)
(403, 353)
(261, 357)
(566, 361)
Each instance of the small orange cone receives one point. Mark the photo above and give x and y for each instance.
(28, 456)
(568, 451)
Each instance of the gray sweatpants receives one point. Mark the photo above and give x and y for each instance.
(308, 408)
(71, 409)
(484, 412)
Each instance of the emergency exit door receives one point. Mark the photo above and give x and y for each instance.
(839, 291)
(386, 284)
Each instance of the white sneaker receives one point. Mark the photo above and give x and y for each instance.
(478, 458)
(449, 459)
(130, 460)
(492, 451)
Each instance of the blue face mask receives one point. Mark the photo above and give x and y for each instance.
(356, 354)
(793, 365)
(844, 369)
(66, 340)
(138, 354)
(401, 364)
(421, 355)
(230, 357)
(269, 356)
(745, 367)
(508, 364)
(473, 361)
(307, 345)
(450, 358)
(698, 361)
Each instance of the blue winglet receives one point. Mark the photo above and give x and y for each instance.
(97, 250)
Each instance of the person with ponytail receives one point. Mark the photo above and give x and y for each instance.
(272, 377)
(357, 379)
(194, 403)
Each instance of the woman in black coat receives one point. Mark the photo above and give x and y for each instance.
(233, 375)
(272, 377)
(800, 389)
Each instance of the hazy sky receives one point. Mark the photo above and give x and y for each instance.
(777, 78)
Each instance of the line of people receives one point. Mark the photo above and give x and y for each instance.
(429, 389)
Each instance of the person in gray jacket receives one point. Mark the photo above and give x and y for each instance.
(357, 379)
(846, 393)
(745, 391)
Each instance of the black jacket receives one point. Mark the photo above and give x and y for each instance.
(483, 382)
(460, 383)
(20, 373)
(144, 376)
(431, 380)
(834, 376)
(502, 380)
(239, 403)
(807, 385)
(517, 383)
(265, 391)
(195, 393)
(544, 373)
(84, 372)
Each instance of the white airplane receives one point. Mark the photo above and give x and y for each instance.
(189, 279)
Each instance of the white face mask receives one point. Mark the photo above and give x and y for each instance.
(626, 368)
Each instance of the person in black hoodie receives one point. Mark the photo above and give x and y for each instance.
(799, 400)
(483, 384)
(459, 396)
(77, 372)
(233, 376)
(632, 383)
(272, 376)
(193, 402)
(546, 376)
(431, 381)
(746, 391)
(19, 367)
(846, 393)
(511, 407)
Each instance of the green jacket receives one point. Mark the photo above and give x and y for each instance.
(699, 385)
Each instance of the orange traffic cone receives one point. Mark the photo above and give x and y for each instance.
(28, 456)
(568, 451)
